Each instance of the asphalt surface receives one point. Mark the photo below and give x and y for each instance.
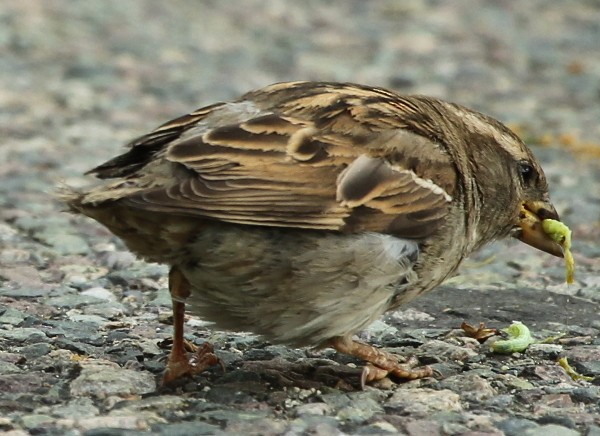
(84, 326)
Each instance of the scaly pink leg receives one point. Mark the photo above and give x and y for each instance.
(179, 365)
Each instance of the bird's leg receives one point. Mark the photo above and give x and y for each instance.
(179, 364)
(379, 362)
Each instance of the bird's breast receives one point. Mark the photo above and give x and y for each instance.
(296, 287)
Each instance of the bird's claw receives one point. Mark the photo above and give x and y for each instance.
(179, 365)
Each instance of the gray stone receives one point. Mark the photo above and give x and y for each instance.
(76, 347)
(258, 426)
(313, 409)
(8, 357)
(560, 417)
(590, 368)
(24, 334)
(76, 331)
(357, 415)
(102, 381)
(550, 430)
(378, 428)
(421, 427)
(187, 428)
(35, 421)
(444, 350)
(100, 293)
(132, 274)
(163, 403)
(88, 319)
(454, 428)
(12, 316)
(519, 383)
(108, 310)
(587, 395)
(516, 426)
(9, 368)
(274, 351)
(13, 255)
(549, 351)
(54, 231)
(243, 421)
(163, 298)
(377, 331)
(314, 425)
(423, 401)
(343, 402)
(7, 232)
(499, 402)
(593, 430)
(72, 301)
(111, 425)
(19, 383)
(81, 275)
(24, 292)
(77, 408)
(117, 260)
(470, 387)
(63, 242)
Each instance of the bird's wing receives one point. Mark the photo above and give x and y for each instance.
(335, 157)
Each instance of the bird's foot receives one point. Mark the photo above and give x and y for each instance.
(409, 371)
(380, 363)
(180, 365)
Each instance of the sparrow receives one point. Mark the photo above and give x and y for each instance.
(303, 211)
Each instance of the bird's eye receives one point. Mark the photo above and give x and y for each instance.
(527, 172)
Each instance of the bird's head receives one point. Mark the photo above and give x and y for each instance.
(511, 186)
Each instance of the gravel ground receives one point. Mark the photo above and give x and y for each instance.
(84, 326)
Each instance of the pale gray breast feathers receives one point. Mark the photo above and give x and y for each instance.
(297, 288)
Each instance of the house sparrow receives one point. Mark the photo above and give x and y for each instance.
(303, 211)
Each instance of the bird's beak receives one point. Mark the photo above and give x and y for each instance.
(529, 226)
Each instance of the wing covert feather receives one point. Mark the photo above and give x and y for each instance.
(326, 159)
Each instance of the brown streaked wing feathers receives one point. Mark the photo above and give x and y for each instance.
(143, 149)
(306, 161)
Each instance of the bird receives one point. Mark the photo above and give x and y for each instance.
(303, 211)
